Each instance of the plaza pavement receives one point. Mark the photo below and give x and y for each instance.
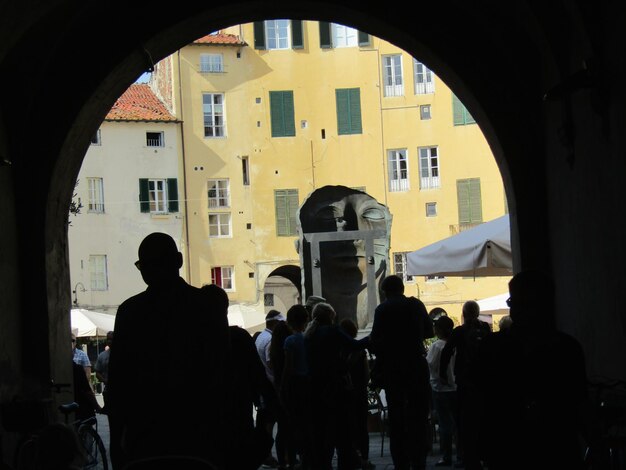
(381, 462)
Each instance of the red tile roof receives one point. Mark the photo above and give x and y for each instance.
(139, 103)
(221, 39)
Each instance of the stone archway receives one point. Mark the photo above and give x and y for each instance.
(282, 288)
(498, 59)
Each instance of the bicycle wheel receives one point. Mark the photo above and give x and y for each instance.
(95, 453)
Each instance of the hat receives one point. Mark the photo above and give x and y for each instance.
(274, 315)
(314, 299)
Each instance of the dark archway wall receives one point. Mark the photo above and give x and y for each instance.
(63, 64)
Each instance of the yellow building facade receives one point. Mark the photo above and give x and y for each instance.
(273, 110)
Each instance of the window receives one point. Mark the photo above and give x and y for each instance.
(95, 187)
(392, 70)
(278, 34)
(213, 110)
(211, 63)
(219, 193)
(223, 277)
(98, 272)
(158, 196)
(245, 170)
(424, 78)
(435, 278)
(469, 200)
(95, 139)
(431, 209)
(429, 167)
(154, 139)
(344, 36)
(399, 266)
(219, 224)
(461, 115)
(348, 111)
(268, 300)
(424, 112)
(282, 114)
(286, 205)
(336, 35)
(398, 170)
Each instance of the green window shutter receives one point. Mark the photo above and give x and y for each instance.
(457, 111)
(280, 203)
(355, 111)
(325, 37)
(348, 111)
(469, 201)
(259, 35)
(144, 196)
(343, 111)
(292, 208)
(172, 195)
(282, 115)
(286, 206)
(297, 35)
(364, 39)
(461, 115)
(462, 194)
(289, 114)
(476, 204)
(276, 114)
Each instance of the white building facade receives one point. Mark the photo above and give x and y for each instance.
(129, 185)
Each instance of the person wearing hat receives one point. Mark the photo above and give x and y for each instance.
(311, 301)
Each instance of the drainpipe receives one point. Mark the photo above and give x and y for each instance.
(182, 142)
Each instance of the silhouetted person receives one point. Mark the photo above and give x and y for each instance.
(83, 394)
(285, 445)
(533, 384)
(250, 444)
(358, 367)
(101, 366)
(295, 383)
(311, 301)
(326, 345)
(397, 339)
(444, 395)
(268, 411)
(505, 323)
(80, 357)
(174, 399)
(465, 341)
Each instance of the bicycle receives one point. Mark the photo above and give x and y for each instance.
(91, 442)
(607, 447)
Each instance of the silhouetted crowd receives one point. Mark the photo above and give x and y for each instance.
(215, 395)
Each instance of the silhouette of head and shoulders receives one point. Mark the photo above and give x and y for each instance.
(159, 260)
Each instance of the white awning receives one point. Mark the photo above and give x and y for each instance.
(484, 250)
(90, 323)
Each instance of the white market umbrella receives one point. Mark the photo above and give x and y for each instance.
(483, 250)
(495, 305)
(90, 323)
(247, 317)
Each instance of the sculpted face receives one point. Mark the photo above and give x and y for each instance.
(344, 264)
